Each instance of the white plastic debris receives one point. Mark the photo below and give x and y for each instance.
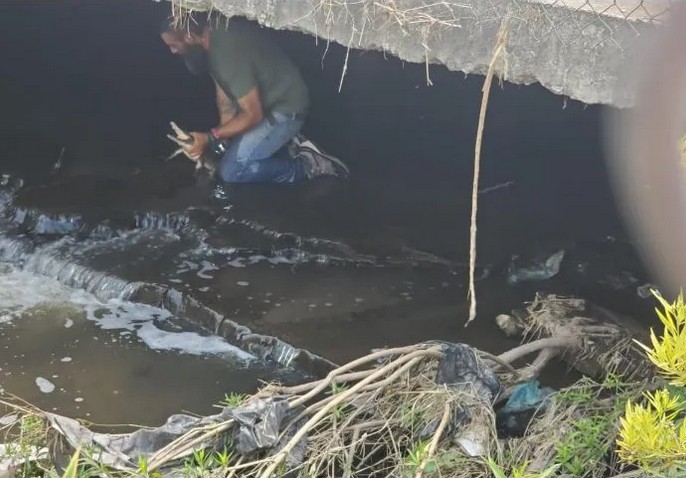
(539, 268)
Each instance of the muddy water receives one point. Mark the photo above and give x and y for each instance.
(108, 361)
(83, 334)
(335, 269)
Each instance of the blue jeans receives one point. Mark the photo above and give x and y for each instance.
(261, 154)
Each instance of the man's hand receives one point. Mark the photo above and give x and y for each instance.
(200, 143)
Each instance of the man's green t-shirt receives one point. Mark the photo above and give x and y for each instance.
(241, 58)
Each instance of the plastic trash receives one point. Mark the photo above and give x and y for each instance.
(460, 368)
(539, 268)
(261, 423)
(526, 396)
(259, 426)
(645, 291)
(526, 400)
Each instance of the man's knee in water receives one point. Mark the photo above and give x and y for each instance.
(234, 171)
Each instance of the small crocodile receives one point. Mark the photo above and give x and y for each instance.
(208, 159)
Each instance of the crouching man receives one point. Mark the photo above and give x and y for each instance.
(262, 101)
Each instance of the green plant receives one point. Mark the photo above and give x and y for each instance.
(223, 458)
(653, 435)
(25, 446)
(583, 393)
(200, 462)
(416, 455)
(72, 469)
(652, 431)
(668, 352)
(232, 400)
(583, 449)
(614, 382)
(144, 468)
(202, 459)
(81, 465)
(189, 470)
(411, 416)
(519, 471)
(336, 388)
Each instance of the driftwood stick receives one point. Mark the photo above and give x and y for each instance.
(435, 440)
(500, 42)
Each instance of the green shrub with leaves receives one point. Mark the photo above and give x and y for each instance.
(652, 431)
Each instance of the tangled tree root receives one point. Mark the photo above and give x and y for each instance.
(423, 410)
(606, 343)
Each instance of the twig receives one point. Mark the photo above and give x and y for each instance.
(435, 440)
(489, 189)
(234, 470)
(351, 454)
(426, 64)
(347, 56)
(486, 91)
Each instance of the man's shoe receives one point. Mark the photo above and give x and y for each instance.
(317, 163)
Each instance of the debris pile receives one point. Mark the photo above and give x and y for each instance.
(432, 409)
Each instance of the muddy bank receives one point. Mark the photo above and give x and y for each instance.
(429, 409)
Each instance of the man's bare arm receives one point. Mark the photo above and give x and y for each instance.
(249, 116)
(225, 107)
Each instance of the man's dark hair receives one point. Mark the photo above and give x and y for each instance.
(192, 22)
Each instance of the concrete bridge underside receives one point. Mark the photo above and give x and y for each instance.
(574, 48)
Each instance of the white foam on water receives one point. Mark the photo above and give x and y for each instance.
(45, 385)
(188, 342)
(206, 267)
(20, 292)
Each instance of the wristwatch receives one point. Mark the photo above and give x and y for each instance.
(216, 144)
